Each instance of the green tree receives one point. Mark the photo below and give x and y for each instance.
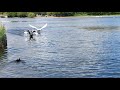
(58, 14)
(11, 14)
(21, 14)
(31, 15)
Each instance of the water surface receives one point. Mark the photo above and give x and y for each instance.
(69, 47)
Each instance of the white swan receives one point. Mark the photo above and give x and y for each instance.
(35, 32)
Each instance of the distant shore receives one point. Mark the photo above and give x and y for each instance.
(68, 16)
(80, 16)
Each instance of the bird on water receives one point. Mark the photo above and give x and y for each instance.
(18, 60)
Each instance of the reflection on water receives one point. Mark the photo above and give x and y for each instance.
(102, 28)
(3, 56)
(67, 47)
(27, 38)
(3, 52)
(3, 46)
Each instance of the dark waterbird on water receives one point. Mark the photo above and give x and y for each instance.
(18, 60)
(30, 34)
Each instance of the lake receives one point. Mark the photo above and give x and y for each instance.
(69, 47)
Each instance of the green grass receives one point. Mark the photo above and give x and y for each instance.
(3, 42)
(2, 31)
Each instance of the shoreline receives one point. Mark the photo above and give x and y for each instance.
(79, 16)
(70, 16)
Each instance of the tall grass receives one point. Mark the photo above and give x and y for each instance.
(3, 41)
(2, 30)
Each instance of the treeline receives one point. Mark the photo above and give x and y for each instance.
(77, 13)
(56, 14)
(19, 14)
(81, 13)
(33, 14)
(98, 13)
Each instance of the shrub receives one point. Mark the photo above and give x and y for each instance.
(31, 15)
(2, 30)
(11, 14)
(21, 14)
(3, 40)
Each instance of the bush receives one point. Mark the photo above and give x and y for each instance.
(3, 40)
(59, 14)
(31, 15)
(21, 14)
(2, 30)
(11, 14)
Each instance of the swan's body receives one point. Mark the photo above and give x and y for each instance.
(35, 32)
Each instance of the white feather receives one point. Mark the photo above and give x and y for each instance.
(38, 28)
(25, 33)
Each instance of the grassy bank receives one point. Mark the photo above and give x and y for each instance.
(2, 31)
(3, 41)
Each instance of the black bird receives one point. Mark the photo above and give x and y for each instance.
(18, 60)
(30, 34)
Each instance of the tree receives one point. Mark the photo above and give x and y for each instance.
(58, 14)
(21, 14)
(31, 15)
(11, 14)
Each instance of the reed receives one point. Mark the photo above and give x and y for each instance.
(2, 30)
(3, 40)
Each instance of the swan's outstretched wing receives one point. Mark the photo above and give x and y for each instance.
(33, 26)
(38, 28)
(43, 27)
